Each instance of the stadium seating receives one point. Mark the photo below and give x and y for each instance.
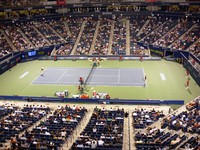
(187, 121)
(152, 24)
(4, 46)
(192, 143)
(85, 42)
(160, 31)
(64, 49)
(174, 33)
(143, 118)
(19, 119)
(136, 23)
(33, 36)
(164, 137)
(53, 132)
(74, 27)
(46, 30)
(102, 40)
(119, 38)
(104, 131)
(17, 38)
(195, 49)
(188, 39)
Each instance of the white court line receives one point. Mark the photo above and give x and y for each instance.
(162, 76)
(93, 75)
(118, 75)
(145, 81)
(42, 82)
(61, 76)
(106, 83)
(23, 75)
(66, 68)
(114, 83)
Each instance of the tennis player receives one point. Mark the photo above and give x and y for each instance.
(42, 71)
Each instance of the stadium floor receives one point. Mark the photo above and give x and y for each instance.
(96, 76)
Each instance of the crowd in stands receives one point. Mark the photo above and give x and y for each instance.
(119, 37)
(188, 39)
(191, 144)
(85, 42)
(59, 27)
(40, 2)
(155, 138)
(4, 46)
(102, 40)
(173, 34)
(52, 133)
(160, 31)
(64, 49)
(137, 50)
(74, 27)
(195, 49)
(154, 23)
(104, 130)
(22, 2)
(143, 118)
(187, 121)
(17, 38)
(19, 119)
(136, 23)
(34, 37)
(47, 31)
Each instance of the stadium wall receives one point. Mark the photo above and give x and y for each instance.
(193, 72)
(96, 101)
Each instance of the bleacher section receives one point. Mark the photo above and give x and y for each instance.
(195, 48)
(188, 39)
(136, 23)
(85, 42)
(142, 118)
(166, 32)
(174, 34)
(185, 122)
(33, 36)
(37, 126)
(19, 41)
(103, 132)
(46, 30)
(52, 132)
(153, 24)
(18, 120)
(119, 37)
(4, 46)
(160, 31)
(102, 41)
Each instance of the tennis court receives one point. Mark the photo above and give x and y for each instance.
(96, 76)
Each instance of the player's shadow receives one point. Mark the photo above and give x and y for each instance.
(189, 91)
(83, 91)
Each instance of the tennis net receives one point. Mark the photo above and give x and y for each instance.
(90, 73)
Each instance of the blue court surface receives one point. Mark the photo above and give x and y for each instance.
(96, 76)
